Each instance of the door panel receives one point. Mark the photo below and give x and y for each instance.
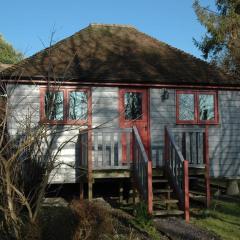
(134, 112)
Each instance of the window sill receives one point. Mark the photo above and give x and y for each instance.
(77, 122)
(197, 123)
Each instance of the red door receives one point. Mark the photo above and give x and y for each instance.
(134, 112)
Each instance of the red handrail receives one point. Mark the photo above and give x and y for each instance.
(177, 169)
(142, 167)
(207, 170)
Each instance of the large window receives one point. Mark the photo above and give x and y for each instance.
(196, 107)
(64, 105)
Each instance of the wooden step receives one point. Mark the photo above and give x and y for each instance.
(162, 191)
(193, 178)
(157, 173)
(168, 212)
(159, 181)
(197, 197)
(198, 166)
(195, 192)
(165, 201)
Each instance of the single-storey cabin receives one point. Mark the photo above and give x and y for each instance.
(139, 109)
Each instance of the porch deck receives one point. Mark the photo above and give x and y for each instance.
(120, 153)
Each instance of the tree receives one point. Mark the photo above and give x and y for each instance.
(28, 161)
(221, 43)
(8, 54)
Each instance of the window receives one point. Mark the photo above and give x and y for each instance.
(64, 105)
(196, 107)
(78, 105)
(133, 105)
(53, 105)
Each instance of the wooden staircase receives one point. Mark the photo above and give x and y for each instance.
(168, 194)
(164, 201)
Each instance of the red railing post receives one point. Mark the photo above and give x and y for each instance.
(166, 147)
(150, 193)
(207, 168)
(90, 175)
(81, 194)
(186, 192)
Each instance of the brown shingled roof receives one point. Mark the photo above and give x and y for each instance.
(4, 66)
(118, 53)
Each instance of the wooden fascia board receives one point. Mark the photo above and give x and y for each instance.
(124, 84)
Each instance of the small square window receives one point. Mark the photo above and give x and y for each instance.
(133, 105)
(54, 105)
(206, 107)
(186, 107)
(78, 105)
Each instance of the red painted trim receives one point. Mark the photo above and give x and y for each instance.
(186, 192)
(207, 168)
(66, 91)
(90, 140)
(150, 192)
(196, 108)
(145, 85)
(122, 91)
(149, 124)
(215, 96)
(123, 123)
(178, 121)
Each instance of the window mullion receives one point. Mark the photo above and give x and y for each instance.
(65, 105)
(196, 107)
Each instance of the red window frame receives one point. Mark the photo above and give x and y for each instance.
(122, 106)
(66, 91)
(196, 107)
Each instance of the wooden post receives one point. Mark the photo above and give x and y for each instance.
(120, 192)
(81, 190)
(186, 192)
(150, 192)
(207, 168)
(90, 176)
(90, 185)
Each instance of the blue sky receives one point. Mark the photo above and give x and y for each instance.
(28, 24)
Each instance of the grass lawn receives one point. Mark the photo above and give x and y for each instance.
(223, 218)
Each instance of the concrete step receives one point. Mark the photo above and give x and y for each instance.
(168, 213)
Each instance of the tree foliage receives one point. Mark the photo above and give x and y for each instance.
(8, 54)
(221, 43)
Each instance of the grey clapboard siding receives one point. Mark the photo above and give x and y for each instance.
(224, 139)
(162, 113)
(105, 107)
(24, 100)
(105, 112)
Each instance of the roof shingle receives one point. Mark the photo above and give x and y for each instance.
(118, 53)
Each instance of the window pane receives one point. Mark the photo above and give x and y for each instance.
(133, 105)
(206, 107)
(186, 107)
(54, 105)
(78, 105)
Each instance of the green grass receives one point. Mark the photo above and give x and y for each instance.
(144, 221)
(223, 218)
